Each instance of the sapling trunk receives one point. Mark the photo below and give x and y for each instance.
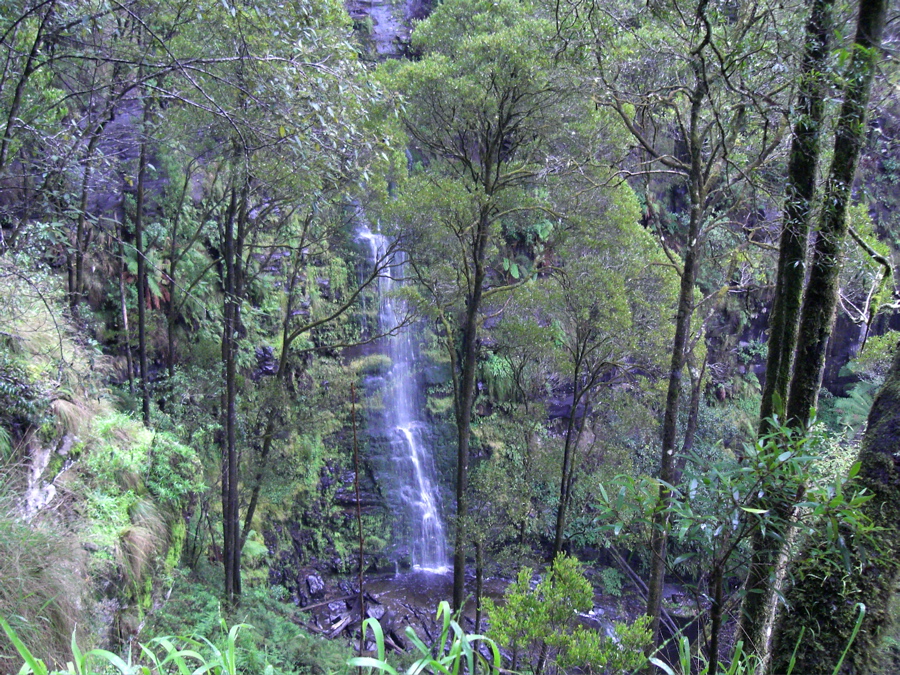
(362, 602)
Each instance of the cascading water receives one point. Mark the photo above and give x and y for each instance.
(412, 462)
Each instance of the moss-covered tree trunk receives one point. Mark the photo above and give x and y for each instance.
(230, 533)
(820, 600)
(140, 198)
(820, 298)
(801, 185)
(823, 598)
(783, 320)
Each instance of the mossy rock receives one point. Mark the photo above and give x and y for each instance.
(374, 364)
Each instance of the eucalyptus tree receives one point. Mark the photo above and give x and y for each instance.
(791, 269)
(497, 124)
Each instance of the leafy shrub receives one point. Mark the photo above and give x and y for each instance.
(193, 609)
(612, 581)
(453, 652)
(542, 623)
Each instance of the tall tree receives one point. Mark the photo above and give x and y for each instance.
(720, 108)
(488, 107)
(816, 317)
(790, 272)
(605, 305)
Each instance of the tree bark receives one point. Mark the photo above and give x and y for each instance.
(823, 599)
(659, 536)
(464, 404)
(230, 534)
(141, 273)
(820, 299)
(479, 581)
(123, 306)
(567, 468)
(801, 183)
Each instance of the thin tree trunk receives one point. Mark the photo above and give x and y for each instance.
(682, 331)
(362, 599)
(230, 538)
(479, 582)
(141, 272)
(123, 305)
(465, 401)
(715, 616)
(172, 306)
(76, 278)
(564, 482)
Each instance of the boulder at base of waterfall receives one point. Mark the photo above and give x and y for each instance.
(315, 585)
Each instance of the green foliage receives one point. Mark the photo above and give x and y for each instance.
(542, 621)
(454, 651)
(159, 655)
(194, 609)
(612, 581)
(23, 404)
(715, 508)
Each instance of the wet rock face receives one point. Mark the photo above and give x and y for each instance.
(315, 585)
(386, 24)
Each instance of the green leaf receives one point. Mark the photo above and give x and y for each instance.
(33, 664)
(662, 665)
(369, 662)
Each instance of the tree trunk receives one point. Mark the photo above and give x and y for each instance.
(820, 299)
(76, 276)
(464, 404)
(568, 460)
(230, 534)
(715, 617)
(824, 598)
(801, 182)
(123, 304)
(682, 332)
(479, 582)
(141, 273)
(801, 185)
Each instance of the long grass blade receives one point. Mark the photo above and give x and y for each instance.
(35, 665)
(862, 615)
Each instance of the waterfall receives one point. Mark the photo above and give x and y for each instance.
(411, 459)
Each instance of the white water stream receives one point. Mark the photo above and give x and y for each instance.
(412, 461)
